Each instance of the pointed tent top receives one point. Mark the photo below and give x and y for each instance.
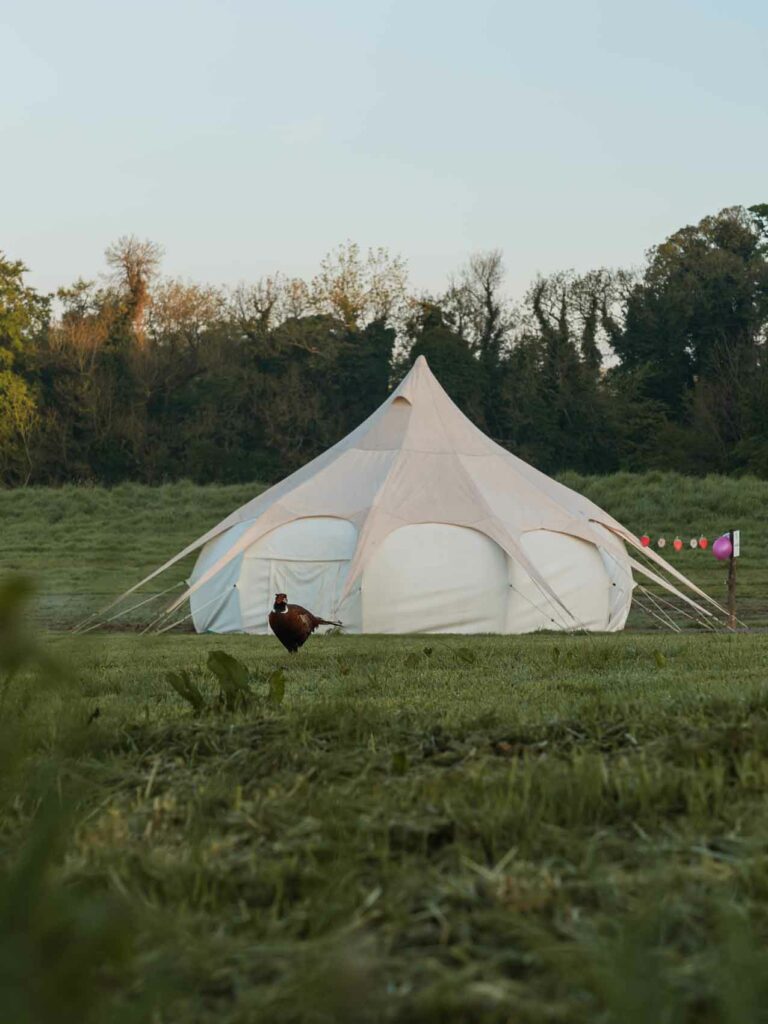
(421, 371)
(436, 424)
(418, 376)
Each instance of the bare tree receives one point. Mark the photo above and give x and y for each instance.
(254, 307)
(181, 313)
(86, 316)
(481, 312)
(134, 264)
(259, 309)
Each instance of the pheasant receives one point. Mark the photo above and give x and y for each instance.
(293, 624)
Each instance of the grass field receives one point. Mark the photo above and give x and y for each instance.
(417, 829)
(86, 545)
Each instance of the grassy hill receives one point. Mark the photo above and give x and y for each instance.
(670, 505)
(85, 545)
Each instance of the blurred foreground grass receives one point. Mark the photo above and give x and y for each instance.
(491, 829)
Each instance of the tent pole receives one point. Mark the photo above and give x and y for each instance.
(731, 583)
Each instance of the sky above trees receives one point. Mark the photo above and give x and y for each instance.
(248, 137)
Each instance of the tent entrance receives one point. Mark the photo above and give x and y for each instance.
(307, 559)
(315, 585)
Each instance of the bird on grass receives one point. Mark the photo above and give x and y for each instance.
(292, 624)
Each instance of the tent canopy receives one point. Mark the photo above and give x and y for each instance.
(416, 521)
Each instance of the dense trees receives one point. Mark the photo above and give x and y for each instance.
(143, 377)
(23, 319)
(695, 338)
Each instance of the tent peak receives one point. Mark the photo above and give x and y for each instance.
(418, 377)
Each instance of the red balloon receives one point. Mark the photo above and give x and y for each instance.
(645, 540)
(677, 544)
(703, 543)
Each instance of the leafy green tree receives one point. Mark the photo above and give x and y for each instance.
(19, 420)
(24, 312)
(700, 310)
(24, 317)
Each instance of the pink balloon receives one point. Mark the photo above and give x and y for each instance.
(722, 549)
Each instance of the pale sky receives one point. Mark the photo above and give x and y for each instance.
(251, 137)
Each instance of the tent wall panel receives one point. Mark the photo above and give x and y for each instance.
(576, 573)
(435, 578)
(215, 606)
(616, 562)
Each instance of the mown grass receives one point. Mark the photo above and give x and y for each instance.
(426, 829)
(496, 829)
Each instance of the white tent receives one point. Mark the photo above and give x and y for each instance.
(418, 522)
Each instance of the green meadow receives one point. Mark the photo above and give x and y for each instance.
(549, 828)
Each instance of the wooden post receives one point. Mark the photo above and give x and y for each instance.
(731, 586)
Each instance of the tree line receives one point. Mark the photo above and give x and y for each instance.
(141, 377)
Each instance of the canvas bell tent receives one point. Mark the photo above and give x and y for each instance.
(418, 522)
